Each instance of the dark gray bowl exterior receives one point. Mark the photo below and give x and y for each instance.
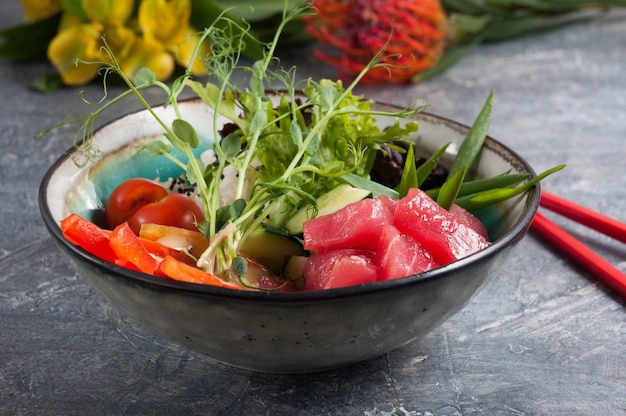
(291, 333)
(297, 332)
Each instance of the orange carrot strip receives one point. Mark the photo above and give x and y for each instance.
(183, 272)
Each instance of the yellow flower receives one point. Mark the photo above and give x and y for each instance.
(69, 20)
(164, 21)
(149, 54)
(120, 39)
(185, 50)
(83, 42)
(157, 38)
(108, 11)
(37, 10)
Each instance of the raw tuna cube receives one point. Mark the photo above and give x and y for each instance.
(464, 216)
(339, 268)
(436, 229)
(358, 225)
(399, 255)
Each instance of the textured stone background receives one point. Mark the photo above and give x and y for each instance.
(543, 338)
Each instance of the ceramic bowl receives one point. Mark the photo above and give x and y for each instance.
(277, 332)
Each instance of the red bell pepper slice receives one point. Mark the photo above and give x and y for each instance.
(89, 236)
(124, 248)
(127, 247)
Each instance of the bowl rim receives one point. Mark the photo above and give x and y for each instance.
(515, 234)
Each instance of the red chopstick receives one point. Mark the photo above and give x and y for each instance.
(582, 255)
(585, 216)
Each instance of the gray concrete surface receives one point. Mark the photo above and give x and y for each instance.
(544, 338)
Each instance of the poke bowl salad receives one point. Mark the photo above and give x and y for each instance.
(285, 193)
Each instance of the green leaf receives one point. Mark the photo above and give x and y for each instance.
(427, 167)
(231, 145)
(464, 6)
(256, 81)
(157, 147)
(469, 23)
(222, 217)
(511, 27)
(480, 185)
(409, 173)
(473, 143)
(236, 208)
(28, 42)
(450, 57)
(494, 196)
(327, 98)
(450, 189)
(375, 188)
(294, 32)
(190, 172)
(240, 266)
(295, 132)
(313, 146)
(186, 132)
(230, 212)
(145, 76)
(332, 168)
(257, 10)
(259, 120)
(212, 96)
(175, 141)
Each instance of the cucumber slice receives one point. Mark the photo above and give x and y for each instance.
(330, 202)
(293, 270)
(270, 249)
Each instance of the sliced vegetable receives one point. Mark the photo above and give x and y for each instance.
(423, 172)
(270, 249)
(450, 189)
(128, 248)
(175, 238)
(409, 177)
(128, 197)
(480, 185)
(176, 210)
(494, 196)
(330, 202)
(89, 236)
(177, 270)
(293, 270)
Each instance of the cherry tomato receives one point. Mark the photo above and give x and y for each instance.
(176, 210)
(129, 197)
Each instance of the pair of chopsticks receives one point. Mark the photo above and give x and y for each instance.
(579, 253)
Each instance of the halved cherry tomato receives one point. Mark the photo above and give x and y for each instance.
(176, 210)
(129, 197)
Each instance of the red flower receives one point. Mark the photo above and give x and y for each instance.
(411, 33)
